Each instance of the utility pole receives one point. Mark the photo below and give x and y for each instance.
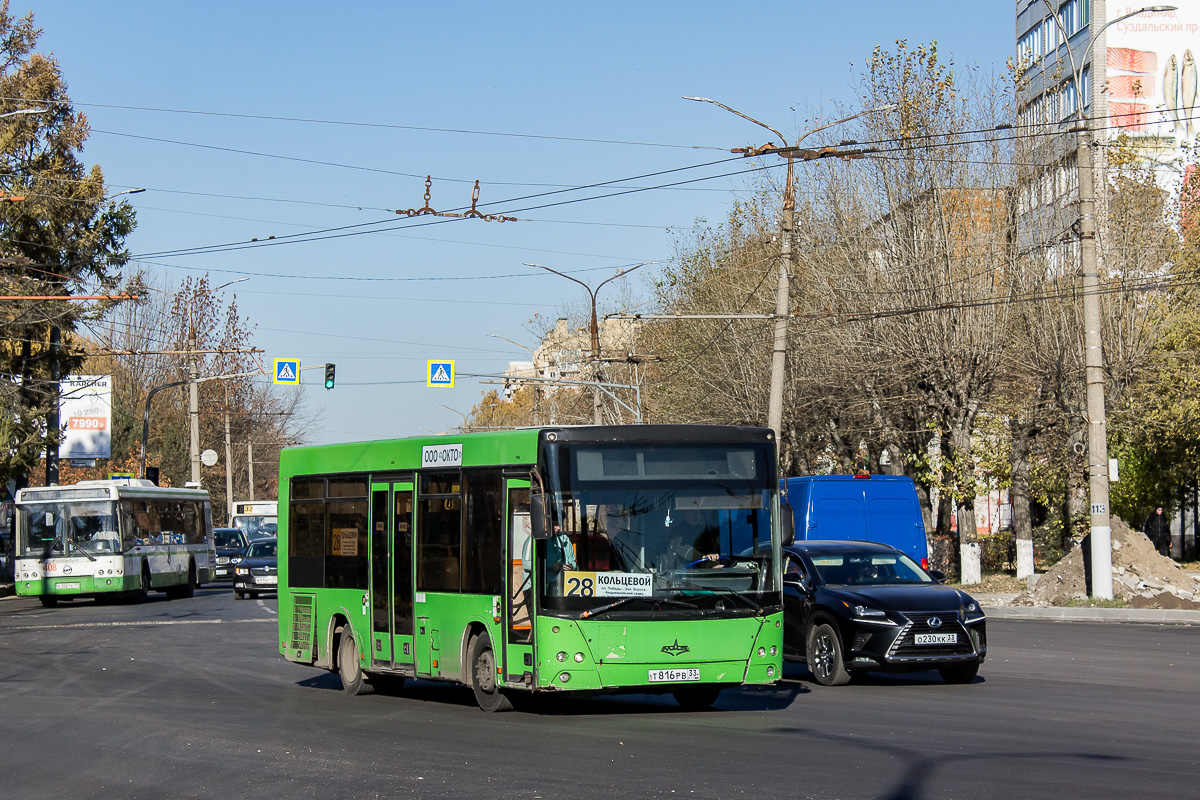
(787, 221)
(52, 416)
(250, 470)
(193, 403)
(1093, 352)
(228, 471)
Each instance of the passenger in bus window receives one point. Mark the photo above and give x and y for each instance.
(560, 557)
(560, 554)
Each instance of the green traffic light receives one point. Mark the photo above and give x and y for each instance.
(329, 371)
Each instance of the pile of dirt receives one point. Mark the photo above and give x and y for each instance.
(1141, 577)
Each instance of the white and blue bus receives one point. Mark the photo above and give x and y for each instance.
(116, 538)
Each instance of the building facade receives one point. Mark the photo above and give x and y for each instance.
(1137, 79)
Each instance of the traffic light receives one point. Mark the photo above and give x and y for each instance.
(329, 368)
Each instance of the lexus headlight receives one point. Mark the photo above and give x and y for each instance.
(969, 609)
(868, 614)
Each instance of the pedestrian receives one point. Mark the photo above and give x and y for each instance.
(1158, 530)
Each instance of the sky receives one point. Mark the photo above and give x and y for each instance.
(314, 122)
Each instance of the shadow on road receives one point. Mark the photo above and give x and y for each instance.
(741, 698)
(800, 674)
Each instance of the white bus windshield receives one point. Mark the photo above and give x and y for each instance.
(61, 528)
(257, 527)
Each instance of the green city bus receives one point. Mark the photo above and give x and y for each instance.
(641, 558)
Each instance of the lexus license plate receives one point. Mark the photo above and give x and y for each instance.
(266, 580)
(222, 572)
(67, 586)
(671, 675)
(935, 638)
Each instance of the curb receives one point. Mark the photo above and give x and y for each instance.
(1169, 616)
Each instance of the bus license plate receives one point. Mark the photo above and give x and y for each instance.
(671, 675)
(67, 586)
(266, 580)
(935, 638)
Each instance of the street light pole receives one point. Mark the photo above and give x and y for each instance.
(1093, 353)
(537, 390)
(787, 221)
(595, 328)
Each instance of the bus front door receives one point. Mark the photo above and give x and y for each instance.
(391, 574)
(518, 650)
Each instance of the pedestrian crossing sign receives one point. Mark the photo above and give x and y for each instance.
(440, 373)
(287, 370)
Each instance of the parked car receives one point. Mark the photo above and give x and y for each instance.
(857, 607)
(231, 543)
(870, 508)
(258, 571)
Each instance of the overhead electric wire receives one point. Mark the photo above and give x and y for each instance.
(384, 125)
(205, 249)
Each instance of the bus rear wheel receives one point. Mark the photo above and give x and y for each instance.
(353, 680)
(482, 659)
(48, 600)
(190, 589)
(186, 590)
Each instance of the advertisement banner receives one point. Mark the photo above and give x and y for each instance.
(1151, 77)
(85, 411)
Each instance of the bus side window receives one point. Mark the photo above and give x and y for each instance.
(346, 544)
(439, 533)
(483, 534)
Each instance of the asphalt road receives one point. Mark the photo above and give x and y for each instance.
(189, 698)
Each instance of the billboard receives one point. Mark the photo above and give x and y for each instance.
(85, 411)
(1151, 77)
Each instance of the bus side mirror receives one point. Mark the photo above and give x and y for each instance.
(537, 516)
(788, 525)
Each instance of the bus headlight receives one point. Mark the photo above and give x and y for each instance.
(561, 656)
(566, 676)
(773, 650)
(579, 657)
(762, 651)
(770, 672)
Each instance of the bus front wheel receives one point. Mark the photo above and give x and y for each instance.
(142, 593)
(488, 693)
(353, 680)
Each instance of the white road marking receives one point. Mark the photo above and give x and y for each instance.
(138, 624)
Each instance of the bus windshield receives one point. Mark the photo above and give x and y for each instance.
(48, 529)
(257, 527)
(668, 528)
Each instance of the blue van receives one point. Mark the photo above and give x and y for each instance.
(871, 508)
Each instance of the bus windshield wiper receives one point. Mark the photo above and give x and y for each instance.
(731, 593)
(624, 600)
(79, 548)
(608, 607)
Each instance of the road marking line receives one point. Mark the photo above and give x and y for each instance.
(137, 624)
